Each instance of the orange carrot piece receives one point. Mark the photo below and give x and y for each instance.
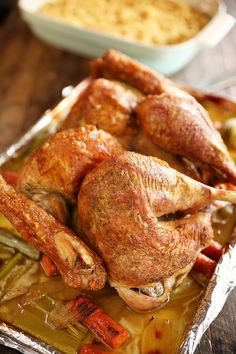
(48, 266)
(204, 265)
(91, 349)
(11, 178)
(213, 251)
(93, 317)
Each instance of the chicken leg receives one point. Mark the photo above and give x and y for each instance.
(79, 266)
(183, 127)
(135, 210)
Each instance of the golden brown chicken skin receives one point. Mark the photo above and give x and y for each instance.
(146, 221)
(125, 206)
(182, 126)
(107, 105)
(180, 114)
(110, 106)
(114, 65)
(79, 266)
(53, 173)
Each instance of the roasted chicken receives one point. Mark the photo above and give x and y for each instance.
(171, 117)
(110, 105)
(144, 219)
(79, 266)
(182, 126)
(53, 173)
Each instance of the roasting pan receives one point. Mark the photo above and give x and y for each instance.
(219, 287)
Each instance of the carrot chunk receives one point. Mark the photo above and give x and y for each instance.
(213, 251)
(11, 178)
(204, 265)
(93, 317)
(91, 349)
(48, 266)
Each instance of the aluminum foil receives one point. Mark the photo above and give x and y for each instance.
(211, 302)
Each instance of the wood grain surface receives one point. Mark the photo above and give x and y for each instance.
(32, 75)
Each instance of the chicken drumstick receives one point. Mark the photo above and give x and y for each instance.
(183, 127)
(79, 266)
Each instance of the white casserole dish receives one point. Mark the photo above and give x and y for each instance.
(166, 59)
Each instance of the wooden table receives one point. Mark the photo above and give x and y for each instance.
(32, 76)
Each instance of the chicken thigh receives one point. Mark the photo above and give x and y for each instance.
(136, 212)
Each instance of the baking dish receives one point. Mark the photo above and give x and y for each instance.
(167, 59)
(208, 304)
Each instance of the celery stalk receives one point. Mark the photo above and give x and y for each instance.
(9, 265)
(11, 240)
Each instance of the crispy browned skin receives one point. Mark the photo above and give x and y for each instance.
(117, 66)
(108, 106)
(174, 103)
(182, 126)
(143, 145)
(122, 204)
(53, 173)
(79, 266)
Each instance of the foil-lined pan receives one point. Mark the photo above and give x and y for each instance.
(219, 287)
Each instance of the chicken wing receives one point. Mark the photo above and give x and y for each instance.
(52, 175)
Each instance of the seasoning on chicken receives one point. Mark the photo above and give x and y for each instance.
(79, 266)
(136, 212)
(182, 126)
(107, 105)
(114, 65)
(110, 106)
(169, 113)
(52, 175)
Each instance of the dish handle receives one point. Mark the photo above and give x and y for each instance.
(216, 30)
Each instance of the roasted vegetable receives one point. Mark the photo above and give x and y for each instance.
(93, 317)
(204, 265)
(18, 280)
(10, 265)
(213, 251)
(11, 240)
(91, 349)
(48, 266)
